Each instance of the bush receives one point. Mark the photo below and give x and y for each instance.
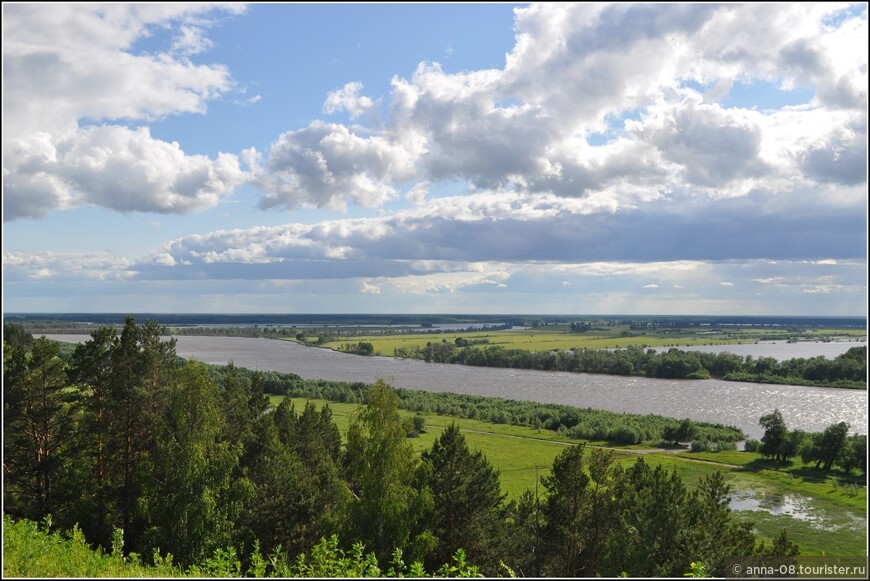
(31, 550)
(752, 445)
(705, 445)
(625, 435)
(702, 446)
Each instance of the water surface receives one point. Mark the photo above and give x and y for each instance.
(731, 403)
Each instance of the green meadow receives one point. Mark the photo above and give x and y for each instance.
(830, 511)
(560, 337)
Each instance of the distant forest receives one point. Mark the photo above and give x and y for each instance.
(182, 319)
(848, 370)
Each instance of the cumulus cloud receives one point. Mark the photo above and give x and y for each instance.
(624, 103)
(191, 40)
(113, 167)
(649, 80)
(70, 73)
(326, 164)
(712, 146)
(445, 282)
(348, 99)
(838, 158)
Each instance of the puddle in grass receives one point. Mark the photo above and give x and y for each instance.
(794, 506)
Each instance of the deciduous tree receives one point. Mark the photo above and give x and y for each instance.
(381, 470)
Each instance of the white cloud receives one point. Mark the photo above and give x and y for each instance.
(670, 268)
(711, 146)
(63, 267)
(417, 194)
(447, 281)
(523, 128)
(67, 66)
(326, 164)
(191, 40)
(650, 286)
(113, 167)
(369, 288)
(576, 237)
(348, 99)
(650, 80)
(816, 290)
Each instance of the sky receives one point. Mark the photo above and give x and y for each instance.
(556, 158)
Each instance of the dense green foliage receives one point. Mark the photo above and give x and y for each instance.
(848, 370)
(833, 445)
(17, 336)
(380, 469)
(581, 423)
(37, 426)
(466, 500)
(139, 453)
(32, 551)
(605, 520)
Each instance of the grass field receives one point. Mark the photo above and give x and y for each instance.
(831, 519)
(550, 338)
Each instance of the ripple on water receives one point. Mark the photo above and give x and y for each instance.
(732, 403)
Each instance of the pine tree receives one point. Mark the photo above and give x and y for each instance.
(37, 427)
(566, 511)
(297, 500)
(467, 498)
(142, 368)
(650, 512)
(91, 371)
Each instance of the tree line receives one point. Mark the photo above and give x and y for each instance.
(848, 370)
(832, 446)
(580, 423)
(155, 456)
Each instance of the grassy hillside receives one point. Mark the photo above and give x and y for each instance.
(828, 516)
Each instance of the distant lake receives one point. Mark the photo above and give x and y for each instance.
(733, 403)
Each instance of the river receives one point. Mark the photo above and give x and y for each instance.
(732, 403)
(780, 350)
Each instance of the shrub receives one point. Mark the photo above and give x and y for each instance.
(702, 446)
(625, 435)
(752, 445)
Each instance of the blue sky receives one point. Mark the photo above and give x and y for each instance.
(377, 158)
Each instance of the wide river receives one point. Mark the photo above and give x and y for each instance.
(726, 402)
